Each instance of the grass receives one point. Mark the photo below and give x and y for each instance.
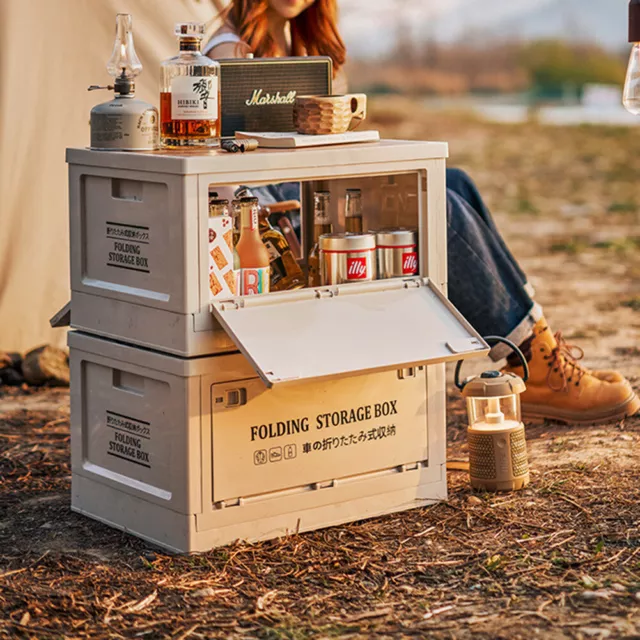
(579, 244)
(631, 303)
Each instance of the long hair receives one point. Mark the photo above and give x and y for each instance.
(314, 32)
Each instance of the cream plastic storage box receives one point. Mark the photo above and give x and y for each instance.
(197, 423)
(138, 223)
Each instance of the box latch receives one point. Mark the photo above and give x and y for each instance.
(233, 398)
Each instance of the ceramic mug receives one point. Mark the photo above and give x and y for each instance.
(329, 114)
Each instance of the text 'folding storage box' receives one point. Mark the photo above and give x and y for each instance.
(198, 422)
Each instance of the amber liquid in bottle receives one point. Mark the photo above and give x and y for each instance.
(191, 130)
(353, 211)
(285, 270)
(321, 225)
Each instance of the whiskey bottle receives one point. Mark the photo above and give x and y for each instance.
(321, 225)
(190, 93)
(353, 211)
(285, 270)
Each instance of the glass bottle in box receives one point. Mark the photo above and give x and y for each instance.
(321, 225)
(285, 270)
(190, 93)
(353, 211)
(253, 255)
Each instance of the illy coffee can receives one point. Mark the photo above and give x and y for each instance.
(347, 257)
(397, 253)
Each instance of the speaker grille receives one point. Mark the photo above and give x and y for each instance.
(268, 79)
(482, 459)
(519, 459)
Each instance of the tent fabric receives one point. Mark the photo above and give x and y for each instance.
(50, 52)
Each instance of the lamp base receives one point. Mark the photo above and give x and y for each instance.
(498, 457)
(494, 486)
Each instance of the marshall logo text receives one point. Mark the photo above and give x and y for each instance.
(259, 99)
(323, 420)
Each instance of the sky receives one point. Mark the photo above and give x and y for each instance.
(370, 26)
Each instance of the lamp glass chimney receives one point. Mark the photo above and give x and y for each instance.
(124, 60)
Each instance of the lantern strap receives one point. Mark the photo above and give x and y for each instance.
(492, 340)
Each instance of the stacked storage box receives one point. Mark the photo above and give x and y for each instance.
(198, 422)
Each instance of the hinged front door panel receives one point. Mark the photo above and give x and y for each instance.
(295, 435)
(347, 329)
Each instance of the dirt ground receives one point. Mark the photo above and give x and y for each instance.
(560, 559)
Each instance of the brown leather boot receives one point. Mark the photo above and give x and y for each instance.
(560, 388)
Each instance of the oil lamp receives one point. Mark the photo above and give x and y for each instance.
(124, 123)
(631, 94)
(496, 435)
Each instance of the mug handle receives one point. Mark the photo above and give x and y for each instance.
(358, 103)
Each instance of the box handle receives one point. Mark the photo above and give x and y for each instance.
(128, 382)
(122, 189)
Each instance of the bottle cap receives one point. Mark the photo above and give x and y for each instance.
(634, 21)
(190, 29)
(243, 192)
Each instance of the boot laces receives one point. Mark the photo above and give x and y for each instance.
(564, 358)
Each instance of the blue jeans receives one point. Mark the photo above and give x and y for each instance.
(486, 283)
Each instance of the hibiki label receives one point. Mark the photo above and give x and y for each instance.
(254, 282)
(356, 268)
(194, 98)
(410, 264)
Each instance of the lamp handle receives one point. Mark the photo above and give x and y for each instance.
(490, 340)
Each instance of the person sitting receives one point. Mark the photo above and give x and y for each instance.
(486, 284)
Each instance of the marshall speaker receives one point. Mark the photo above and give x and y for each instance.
(257, 94)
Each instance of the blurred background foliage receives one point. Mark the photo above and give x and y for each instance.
(550, 68)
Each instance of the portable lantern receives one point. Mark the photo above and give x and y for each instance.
(124, 123)
(496, 435)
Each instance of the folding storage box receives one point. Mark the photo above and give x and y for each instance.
(197, 422)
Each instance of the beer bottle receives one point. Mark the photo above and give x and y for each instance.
(239, 193)
(321, 225)
(253, 255)
(353, 211)
(285, 270)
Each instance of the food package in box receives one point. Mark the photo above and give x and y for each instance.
(222, 276)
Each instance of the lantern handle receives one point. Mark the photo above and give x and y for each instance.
(490, 340)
